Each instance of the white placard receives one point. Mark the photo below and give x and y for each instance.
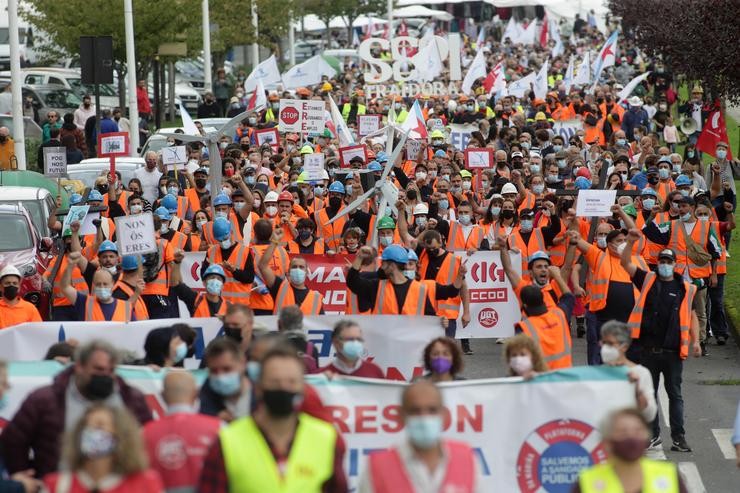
(367, 124)
(88, 228)
(479, 158)
(174, 155)
(413, 147)
(595, 203)
(301, 116)
(435, 124)
(136, 234)
(460, 135)
(313, 165)
(115, 144)
(76, 213)
(55, 161)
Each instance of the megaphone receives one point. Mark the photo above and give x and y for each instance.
(688, 125)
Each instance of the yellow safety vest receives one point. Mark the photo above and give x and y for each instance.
(251, 467)
(657, 477)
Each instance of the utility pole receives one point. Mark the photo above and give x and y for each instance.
(19, 137)
(208, 69)
(133, 104)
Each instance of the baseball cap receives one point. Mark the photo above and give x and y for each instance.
(667, 253)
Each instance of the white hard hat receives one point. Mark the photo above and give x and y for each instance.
(10, 270)
(635, 101)
(324, 174)
(421, 208)
(452, 105)
(272, 196)
(509, 188)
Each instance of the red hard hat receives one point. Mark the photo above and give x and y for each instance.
(285, 195)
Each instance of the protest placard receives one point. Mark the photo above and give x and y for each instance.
(435, 124)
(413, 147)
(136, 234)
(367, 124)
(347, 153)
(301, 116)
(113, 144)
(595, 203)
(479, 158)
(567, 128)
(268, 136)
(174, 157)
(460, 135)
(313, 166)
(76, 213)
(55, 161)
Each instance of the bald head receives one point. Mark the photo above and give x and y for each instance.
(421, 398)
(102, 279)
(179, 388)
(4, 131)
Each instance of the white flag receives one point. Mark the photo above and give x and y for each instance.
(583, 76)
(625, 93)
(188, 126)
(554, 31)
(267, 71)
(519, 87)
(307, 73)
(529, 35)
(540, 83)
(476, 70)
(607, 55)
(427, 61)
(568, 79)
(258, 100)
(341, 131)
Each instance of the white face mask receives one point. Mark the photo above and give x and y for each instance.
(609, 354)
(466, 185)
(136, 209)
(271, 210)
(521, 364)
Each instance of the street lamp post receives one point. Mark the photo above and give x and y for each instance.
(15, 80)
(208, 70)
(133, 105)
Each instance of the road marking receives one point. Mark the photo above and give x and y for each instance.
(663, 402)
(692, 477)
(656, 453)
(724, 441)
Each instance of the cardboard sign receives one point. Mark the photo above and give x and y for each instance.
(268, 136)
(88, 228)
(367, 124)
(435, 124)
(55, 161)
(313, 165)
(595, 203)
(174, 155)
(136, 234)
(300, 116)
(347, 153)
(76, 213)
(479, 158)
(113, 144)
(413, 148)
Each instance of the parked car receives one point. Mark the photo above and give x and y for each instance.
(89, 169)
(52, 98)
(39, 203)
(31, 129)
(22, 246)
(69, 78)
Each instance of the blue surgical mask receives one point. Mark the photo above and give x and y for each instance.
(103, 294)
(664, 173)
(410, 274)
(444, 204)
(464, 219)
(685, 193)
(226, 244)
(601, 242)
(249, 180)
(538, 189)
(621, 142)
(297, 276)
(495, 211)
(348, 189)
(526, 145)
(221, 214)
(526, 225)
(254, 370)
(721, 153)
(562, 163)
(686, 217)
(225, 384)
(318, 191)
(665, 270)
(648, 204)
(424, 431)
(534, 168)
(557, 148)
(689, 154)
(180, 352)
(214, 286)
(172, 191)
(386, 240)
(239, 205)
(353, 349)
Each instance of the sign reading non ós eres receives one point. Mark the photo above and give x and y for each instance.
(136, 234)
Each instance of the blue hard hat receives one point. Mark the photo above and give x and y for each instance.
(395, 253)
(214, 269)
(76, 199)
(201, 170)
(381, 157)
(683, 181)
(221, 199)
(412, 256)
(94, 196)
(649, 191)
(130, 262)
(163, 213)
(221, 228)
(337, 187)
(582, 183)
(538, 255)
(665, 159)
(169, 202)
(440, 153)
(107, 246)
(374, 166)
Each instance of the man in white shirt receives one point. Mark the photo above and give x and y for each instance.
(85, 111)
(149, 176)
(6, 101)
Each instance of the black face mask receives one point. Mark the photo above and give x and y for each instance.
(102, 189)
(335, 202)
(233, 333)
(200, 183)
(411, 195)
(432, 252)
(245, 147)
(10, 292)
(3, 138)
(653, 180)
(99, 388)
(507, 214)
(281, 403)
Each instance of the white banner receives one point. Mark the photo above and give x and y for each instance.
(539, 450)
(494, 308)
(460, 135)
(567, 128)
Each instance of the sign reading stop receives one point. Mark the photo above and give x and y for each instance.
(289, 115)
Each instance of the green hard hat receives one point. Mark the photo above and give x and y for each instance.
(327, 133)
(306, 149)
(386, 223)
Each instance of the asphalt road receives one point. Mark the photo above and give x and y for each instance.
(709, 411)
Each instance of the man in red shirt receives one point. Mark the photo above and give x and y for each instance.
(178, 442)
(349, 344)
(142, 100)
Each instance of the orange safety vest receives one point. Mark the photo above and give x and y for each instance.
(140, 309)
(122, 201)
(649, 249)
(94, 313)
(280, 263)
(536, 243)
(352, 305)
(178, 241)
(389, 473)
(160, 285)
(316, 205)
(203, 311)
(597, 284)
(191, 194)
(236, 232)
(664, 188)
(457, 240)
(551, 332)
(331, 233)
(684, 312)
(721, 264)
(678, 243)
(318, 247)
(78, 280)
(182, 206)
(387, 304)
(312, 303)
(528, 202)
(87, 250)
(233, 291)
(449, 308)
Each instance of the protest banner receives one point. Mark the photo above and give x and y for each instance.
(435, 124)
(76, 213)
(268, 136)
(460, 135)
(174, 157)
(595, 203)
(55, 162)
(313, 165)
(567, 128)
(367, 124)
(398, 352)
(301, 116)
(493, 306)
(347, 153)
(136, 234)
(413, 147)
(113, 144)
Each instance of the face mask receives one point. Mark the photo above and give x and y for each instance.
(466, 185)
(223, 214)
(335, 202)
(455, 188)
(432, 252)
(200, 224)
(665, 270)
(410, 274)
(281, 403)
(526, 145)
(664, 173)
(703, 219)
(304, 235)
(348, 189)
(421, 221)
(385, 240)
(690, 154)
(628, 449)
(676, 168)
(721, 153)
(520, 364)
(225, 384)
(271, 210)
(495, 211)
(10, 292)
(562, 163)
(534, 168)
(172, 191)
(424, 431)
(621, 247)
(484, 184)
(685, 193)
(113, 270)
(609, 354)
(441, 365)
(136, 209)
(239, 205)
(624, 176)
(214, 286)
(464, 219)
(507, 214)
(254, 370)
(103, 294)
(444, 204)
(648, 204)
(421, 175)
(551, 178)
(95, 443)
(538, 189)
(226, 244)
(686, 217)
(653, 180)
(297, 276)
(526, 225)
(99, 388)
(200, 183)
(163, 190)
(164, 228)
(557, 148)
(180, 352)
(601, 241)
(353, 349)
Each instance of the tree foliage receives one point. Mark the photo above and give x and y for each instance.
(696, 38)
(349, 9)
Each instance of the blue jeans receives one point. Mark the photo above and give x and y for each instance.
(670, 365)
(593, 336)
(717, 320)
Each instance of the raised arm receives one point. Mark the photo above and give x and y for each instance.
(503, 247)
(626, 258)
(65, 285)
(264, 264)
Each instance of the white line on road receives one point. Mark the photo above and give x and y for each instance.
(656, 453)
(724, 441)
(663, 402)
(692, 477)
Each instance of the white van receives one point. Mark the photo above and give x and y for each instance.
(69, 78)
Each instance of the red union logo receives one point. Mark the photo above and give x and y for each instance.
(488, 318)
(289, 115)
(483, 272)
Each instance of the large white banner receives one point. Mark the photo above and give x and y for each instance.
(494, 308)
(567, 128)
(393, 342)
(460, 135)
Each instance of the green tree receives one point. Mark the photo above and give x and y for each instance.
(350, 10)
